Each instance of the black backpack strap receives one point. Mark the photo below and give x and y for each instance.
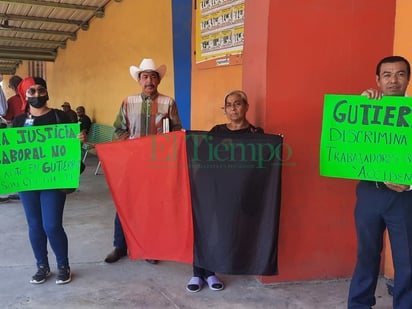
(56, 114)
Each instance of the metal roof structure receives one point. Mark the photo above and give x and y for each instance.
(36, 29)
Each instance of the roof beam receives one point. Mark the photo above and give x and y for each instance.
(54, 5)
(70, 35)
(32, 41)
(6, 66)
(41, 39)
(41, 19)
(16, 50)
(6, 62)
(7, 71)
(26, 56)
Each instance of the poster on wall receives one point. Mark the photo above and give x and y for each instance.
(219, 31)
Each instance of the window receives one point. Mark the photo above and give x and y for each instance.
(37, 68)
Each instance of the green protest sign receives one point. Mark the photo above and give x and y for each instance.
(367, 139)
(39, 157)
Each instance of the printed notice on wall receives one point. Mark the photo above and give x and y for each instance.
(219, 30)
(367, 139)
(39, 157)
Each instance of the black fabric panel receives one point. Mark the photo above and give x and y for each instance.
(235, 185)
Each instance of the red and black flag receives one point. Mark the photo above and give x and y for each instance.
(231, 184)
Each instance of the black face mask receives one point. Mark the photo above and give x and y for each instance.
(38, 102)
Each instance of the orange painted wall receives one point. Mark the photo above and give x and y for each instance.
(94, 70)
(403, 47)
(209, 86)
(311, 48)
(255, 59)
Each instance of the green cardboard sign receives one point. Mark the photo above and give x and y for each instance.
(367, 139)
(39, 157)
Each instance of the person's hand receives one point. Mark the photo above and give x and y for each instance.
(396, 187)
(372, 93)
(82, 136)
(123, 136)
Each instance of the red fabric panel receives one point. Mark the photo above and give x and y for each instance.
(148, 180)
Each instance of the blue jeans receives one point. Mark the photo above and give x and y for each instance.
(44, 215)
(378, 209)
(119, 239)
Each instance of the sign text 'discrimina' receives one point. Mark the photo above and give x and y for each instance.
(367, 139)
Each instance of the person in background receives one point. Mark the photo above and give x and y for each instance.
(44, 208)
(235, 106)
(381, 206)
(3, 125)
(14, 108)
(84, 120)
(68, 110)
(141, 115)
(14, 102)
(3, 101)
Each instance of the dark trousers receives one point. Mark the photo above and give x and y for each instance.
(201, 272)
(119, 239)
(378, 209)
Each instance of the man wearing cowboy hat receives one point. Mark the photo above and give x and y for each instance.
(141, 115)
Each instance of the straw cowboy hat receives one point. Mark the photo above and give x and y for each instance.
(147, 65)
